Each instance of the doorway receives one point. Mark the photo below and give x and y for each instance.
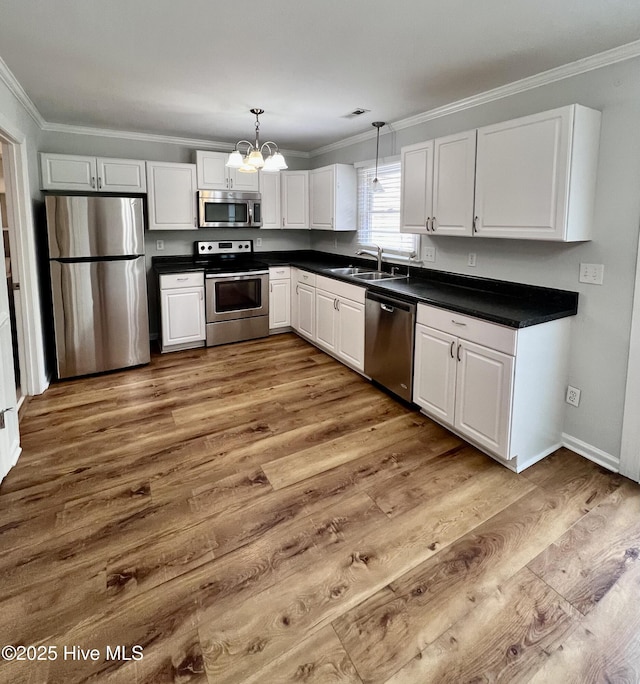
(11, 276)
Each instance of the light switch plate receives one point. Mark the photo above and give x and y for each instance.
(159, 245)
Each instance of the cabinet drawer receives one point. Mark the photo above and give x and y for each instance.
(279, 272)
(498, 337)
(307, 278)
(171, 281)
(340, 289)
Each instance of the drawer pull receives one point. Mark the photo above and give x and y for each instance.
(181, 280)
(458, 322)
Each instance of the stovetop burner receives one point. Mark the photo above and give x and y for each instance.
(226, 256)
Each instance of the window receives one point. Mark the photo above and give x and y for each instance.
(379, 212)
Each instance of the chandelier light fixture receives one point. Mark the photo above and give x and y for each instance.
(376, 185)
(253, 158)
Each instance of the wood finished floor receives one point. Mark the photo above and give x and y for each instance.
(260, 513)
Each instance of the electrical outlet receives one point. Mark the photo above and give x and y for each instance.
(159, 245)
(471, 261)
(258, 242)
(429, 253)
(592, 273)
(573, 396)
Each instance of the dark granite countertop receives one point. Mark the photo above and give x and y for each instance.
(511, 304)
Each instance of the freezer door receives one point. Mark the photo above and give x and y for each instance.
(100, 315)
(85, 227)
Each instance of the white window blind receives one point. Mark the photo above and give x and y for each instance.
(379, 212)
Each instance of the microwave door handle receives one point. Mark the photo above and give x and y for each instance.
(250, 213)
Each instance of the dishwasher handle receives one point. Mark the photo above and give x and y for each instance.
(389, 304)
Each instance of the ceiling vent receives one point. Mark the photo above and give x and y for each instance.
(359, 111)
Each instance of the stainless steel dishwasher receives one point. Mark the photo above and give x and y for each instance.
(388, 342)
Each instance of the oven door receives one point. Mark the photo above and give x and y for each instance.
(236, 295)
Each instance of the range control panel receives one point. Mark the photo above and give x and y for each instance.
(224, 247)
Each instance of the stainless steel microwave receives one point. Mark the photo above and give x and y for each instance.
(229, 209)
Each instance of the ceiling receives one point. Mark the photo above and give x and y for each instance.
(194, 68)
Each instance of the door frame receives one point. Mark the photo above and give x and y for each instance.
(34, 378)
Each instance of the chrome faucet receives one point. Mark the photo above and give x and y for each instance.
(377, 254)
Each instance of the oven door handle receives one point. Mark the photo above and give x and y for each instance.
(236, 276)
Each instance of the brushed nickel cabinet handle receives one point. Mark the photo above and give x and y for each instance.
(451, 349)
(458, 352)
(475, 224)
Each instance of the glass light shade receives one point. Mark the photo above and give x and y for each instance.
(376, 186)
(279, 161)
(235, 160)
(270, 165)
(256, 159)
(247, 168)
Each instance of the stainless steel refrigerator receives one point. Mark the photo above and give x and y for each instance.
(98, 283)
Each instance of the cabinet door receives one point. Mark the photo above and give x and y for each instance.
(183, 318)
(350, 343)
(68, 172)
(172, 196)
(326, 319)
(244, 182)
(483, 397)
(434, 373)
(306, 310)
(295, 199)
(279, 304)
(211, 170)
(121, 175)
(454, 172)
(270, 189)
(322, 198)
(416, 203)
(522, 176)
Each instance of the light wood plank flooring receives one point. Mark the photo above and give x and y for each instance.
(260, 513)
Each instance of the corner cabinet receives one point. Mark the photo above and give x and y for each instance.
(500, 388)
(182, 311)
(303, 303)
(213, 174)
(92, 174)
(172, 196)
(333, 198)
(530, 178)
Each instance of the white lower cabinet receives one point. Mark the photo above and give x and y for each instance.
(340, 320)
(500, 388)
(303, 302)
(182, 311)
(279, 298)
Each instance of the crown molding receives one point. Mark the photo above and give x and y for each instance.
(581, 66)
(7, 77)
(199, 143)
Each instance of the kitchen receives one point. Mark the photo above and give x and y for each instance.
(600, 332)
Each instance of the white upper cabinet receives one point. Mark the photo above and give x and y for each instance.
(295, 199)
(416, 204)
(333, 198)
(271, 202)
(213, 174)
(536, 176)
(92, 174)
(172, 196)
(454, 168)
(437, 185)
(530, 178)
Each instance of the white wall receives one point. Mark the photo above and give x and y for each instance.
(602, 327)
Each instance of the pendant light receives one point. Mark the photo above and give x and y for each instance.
(376, 185)
(253, 158)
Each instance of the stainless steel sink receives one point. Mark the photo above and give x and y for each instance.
(350, 271)
(377, 275)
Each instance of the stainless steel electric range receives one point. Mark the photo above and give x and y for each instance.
(236, 291)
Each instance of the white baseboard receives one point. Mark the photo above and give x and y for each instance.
(592, 453)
